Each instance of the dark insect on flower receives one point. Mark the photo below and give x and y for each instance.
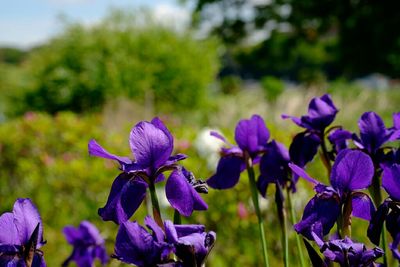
(151, 144)
(21, 236)
(88, 245)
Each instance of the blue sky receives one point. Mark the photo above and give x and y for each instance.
(25, 23)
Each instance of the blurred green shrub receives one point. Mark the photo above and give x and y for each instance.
(230, 84)
(273, 87)
(127, 54)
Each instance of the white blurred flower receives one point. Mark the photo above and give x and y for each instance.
(208, 147)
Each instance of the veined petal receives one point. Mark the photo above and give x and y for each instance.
(151, 145)
(228, 173)
(125, 197)
(8, 231)
(352, 170)
(182, 196)
(96, 150)
(391, 181)
(251, 135)
(26, 218)
(362, 206)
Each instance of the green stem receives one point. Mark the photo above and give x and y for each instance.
(254, 195)
(325, 158)
(293, 221)
(376, 194)
(285, 241)
(347, 210)
(177, 217)
(156, 206)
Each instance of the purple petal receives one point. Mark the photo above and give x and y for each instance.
(273, 166)
(251, 135)
(362, 206)
(151, 145)
(175, 158)
(294, 119)
(160, 125)
(352, 170)
(125, 197)
(303, 148)
(157, 231)
(96, 150)
(300, 172)
(372, 131)
(26, 218)
(228, 173)
(72, 234)
(136, 246)
(391, 181)
(396, 120)
(218, 135)
(182, 196)
(188, 229)
(321, 112)
(170, 232)
(318, 210)
(339, 138)
(8, 231)
(376, 223)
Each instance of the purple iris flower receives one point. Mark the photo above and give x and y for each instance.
(321, 113)
(373, 133)
(347, 253)
(88, 245)
(190, 243)
(21, 236)
(389, 210)
(251, 136)
(339, 139)
(151, 144)
(353, 170)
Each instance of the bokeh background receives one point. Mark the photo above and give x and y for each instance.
(72, 70)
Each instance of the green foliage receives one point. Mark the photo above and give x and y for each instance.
(122, 56)
(11, 55)
(273, 87)
(230, 84)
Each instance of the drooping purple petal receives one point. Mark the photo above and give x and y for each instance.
(174, 159)
(376, 223)
(157, 231)
(151, 145)
(135, 245)
(324, 211)
(228, 173)
(273, 166)
(26, 219)
(251, 135)
(391, 181)
(182, 196)
(125, 197)
(321, 112)
(362, 206)
(373, 132)
(8, 231)
(188, 229)
(300, 172)
(96, 150)
(303, 148)
(352, 170)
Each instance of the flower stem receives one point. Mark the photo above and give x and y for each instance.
(282, 216)
(156, 206)
(293, 221)
(346, 225)
(254, 195)
(177, 217)
(325, 156)
(376, 194)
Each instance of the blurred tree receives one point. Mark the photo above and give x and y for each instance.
(366, 32)
(127, 54)
(12, 55)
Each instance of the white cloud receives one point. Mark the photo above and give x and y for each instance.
(175, 16)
